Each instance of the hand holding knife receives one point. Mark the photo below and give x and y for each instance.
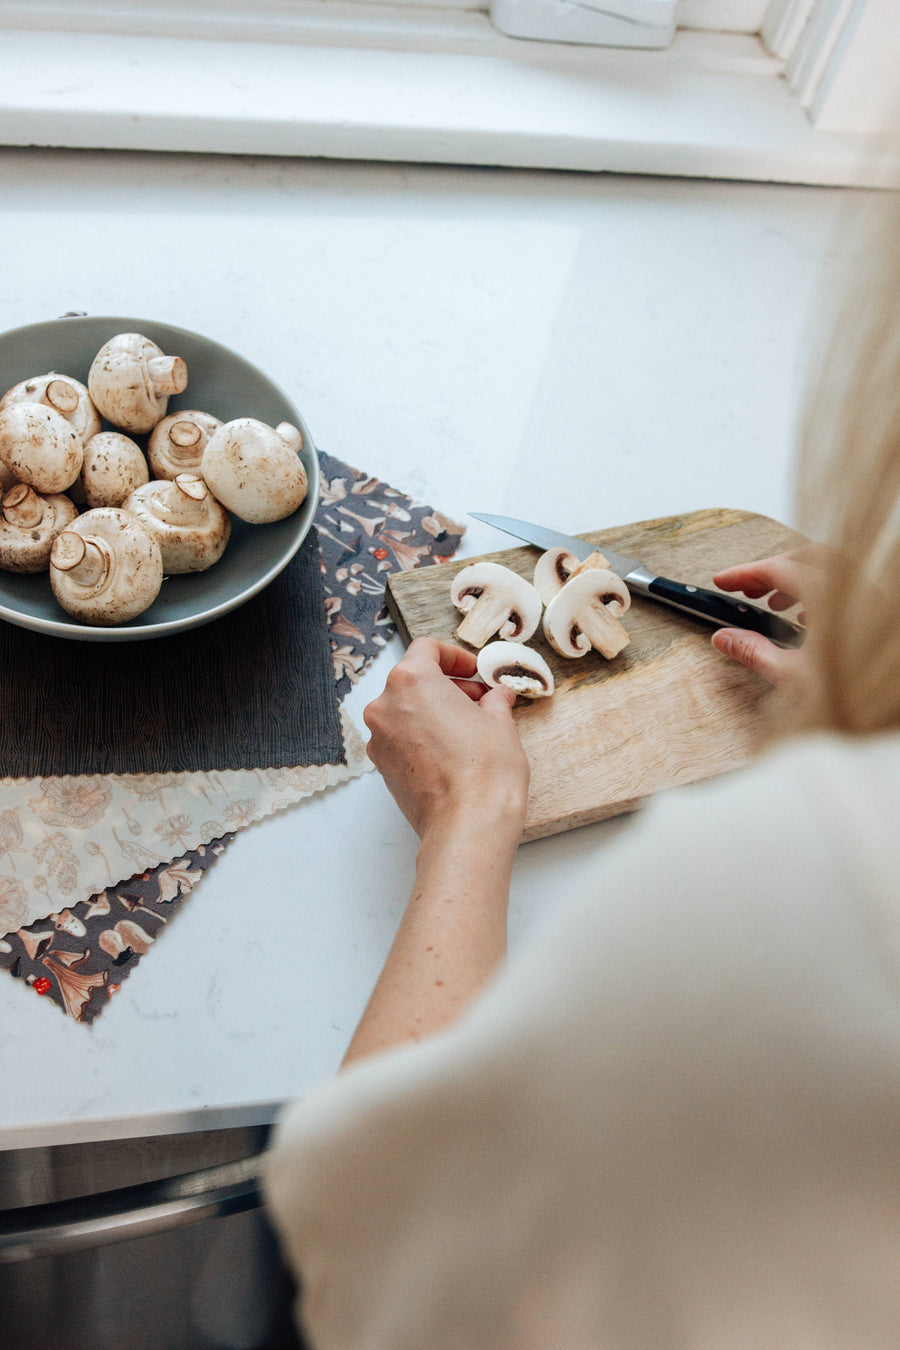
(712, 606)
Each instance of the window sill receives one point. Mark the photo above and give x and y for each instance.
(711, 105)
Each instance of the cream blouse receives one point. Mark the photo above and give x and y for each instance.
(671, 1123)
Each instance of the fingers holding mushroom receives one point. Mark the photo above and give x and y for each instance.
(255, 470)
(512, 665)
(29, 523)
(39, 447)
(177, 443)
(64, 395)
(105, 568)
(190, 526)
(131, 380)
(494, 599)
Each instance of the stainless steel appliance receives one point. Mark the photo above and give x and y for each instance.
(156, 1243)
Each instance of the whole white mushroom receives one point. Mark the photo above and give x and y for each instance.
(66, 396)
(29, 523)
(189, 525)
(39, 447)
(256, 470)
(114, 465)
(177, 443)
(131, 379)
(105, 568)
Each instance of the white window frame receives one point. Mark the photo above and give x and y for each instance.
(433, 81)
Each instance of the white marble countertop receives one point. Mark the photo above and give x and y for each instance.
(583, 350)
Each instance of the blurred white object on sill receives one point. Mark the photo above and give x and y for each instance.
(616, 23)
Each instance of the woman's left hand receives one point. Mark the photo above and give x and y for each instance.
(446, 746)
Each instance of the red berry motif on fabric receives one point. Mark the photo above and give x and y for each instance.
(42, 985)
(379, 553)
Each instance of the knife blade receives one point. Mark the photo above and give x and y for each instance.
(713, 606)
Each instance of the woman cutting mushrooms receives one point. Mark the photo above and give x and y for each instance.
(672, 1120)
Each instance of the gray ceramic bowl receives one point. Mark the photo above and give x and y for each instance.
(219, 382)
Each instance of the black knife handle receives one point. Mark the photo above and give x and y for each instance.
(726, 611)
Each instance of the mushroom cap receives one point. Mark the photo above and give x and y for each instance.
(177, 443)
(255, 470)
(39, 447)
(515, 666)
(113, 466)
(105, 568)
(130, 381)
(60, 392)
(494, 599)
(29, 523)
(554, 568)
(584, 614)
(190, 526)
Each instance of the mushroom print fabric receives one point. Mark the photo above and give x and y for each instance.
(66, 842)
(367, 531)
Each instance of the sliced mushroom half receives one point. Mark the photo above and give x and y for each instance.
(583, 615)
(494, 599)
(515, 666)
(554, 568)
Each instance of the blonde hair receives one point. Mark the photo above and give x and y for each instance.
(848, 494)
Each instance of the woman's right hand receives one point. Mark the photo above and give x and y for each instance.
(785, 579)
(447, 748)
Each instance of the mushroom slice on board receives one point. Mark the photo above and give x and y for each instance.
(29, 524)
(131, 379)
(114, 465)
(494, 599)
(554, 568)
(583, 615)
(105, 568)
(177, 443)
(515, 666)
(189, 525)
(60, 392)
(39, 447)
(256, 470)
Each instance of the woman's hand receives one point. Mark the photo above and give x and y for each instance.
(786, 579)
(450, 754)
(445, 745)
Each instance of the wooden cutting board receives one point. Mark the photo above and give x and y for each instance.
(668, 710)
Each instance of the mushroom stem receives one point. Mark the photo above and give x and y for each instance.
(23, 507)
(62, 396)
(86, 558)
(168, 374)
(291, 436)
(603, 630)
(183, 499)
(483, 620)
(183, 437)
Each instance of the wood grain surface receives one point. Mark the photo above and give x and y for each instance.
(669, 710)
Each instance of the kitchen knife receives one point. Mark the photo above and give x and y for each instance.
(713, 606)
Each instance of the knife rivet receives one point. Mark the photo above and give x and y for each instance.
(692, 589)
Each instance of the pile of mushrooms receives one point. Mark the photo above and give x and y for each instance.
(78, 501)
(578, 605)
